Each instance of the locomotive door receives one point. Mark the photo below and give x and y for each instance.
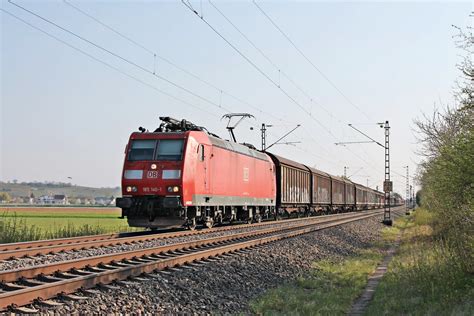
(205, 156)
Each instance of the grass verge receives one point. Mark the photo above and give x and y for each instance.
(426, 276)
(16, 227)
(330, 288)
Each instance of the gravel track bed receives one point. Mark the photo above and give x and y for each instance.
(227, 285)
(18, 263)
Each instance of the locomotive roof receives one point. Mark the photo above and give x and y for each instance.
(236, 147)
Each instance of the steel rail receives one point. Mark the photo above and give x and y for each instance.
(29, 272)
(51, 242)
(134, 263)
(29, 249)
(70, 240)
(75, 240)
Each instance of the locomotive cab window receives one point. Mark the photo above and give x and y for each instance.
(170, 149)
(142, 149)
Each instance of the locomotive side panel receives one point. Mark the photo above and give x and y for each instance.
(229, 174)
(238, 179)
(196, 172)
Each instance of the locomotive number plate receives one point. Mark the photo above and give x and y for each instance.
(152, 174)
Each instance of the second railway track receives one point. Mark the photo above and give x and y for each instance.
(44, 247)
(24, 286)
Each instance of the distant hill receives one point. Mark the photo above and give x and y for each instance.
(24, 189)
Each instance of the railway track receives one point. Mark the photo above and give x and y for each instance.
(44, 247)
(40, 283)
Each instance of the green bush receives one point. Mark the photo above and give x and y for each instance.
(447, 173)
(425, 277)
(448, 187)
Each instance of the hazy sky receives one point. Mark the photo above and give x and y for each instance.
(64, 114)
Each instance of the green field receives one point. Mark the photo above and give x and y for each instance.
(22, 224)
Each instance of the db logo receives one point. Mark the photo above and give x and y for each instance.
(152, 174)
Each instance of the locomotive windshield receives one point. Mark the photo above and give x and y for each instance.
(142, 149)
(151, 149)
(170, 149)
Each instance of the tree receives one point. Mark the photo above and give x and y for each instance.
(5, 197)
(447, 172)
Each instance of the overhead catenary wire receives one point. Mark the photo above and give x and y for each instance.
(265, 56)
(180, 68)
(280, 71)
(309, 61)
(318, 70)
(120, 57)
(189, 6)
(171, 63)
(257, 68)
(174, 64)
(106, 64)
(109, 28)
(163, 78)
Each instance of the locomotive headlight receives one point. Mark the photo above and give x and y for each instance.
(173, 189)
(131, 189)
(153, 166)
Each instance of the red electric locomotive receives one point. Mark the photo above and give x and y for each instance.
(182, 175)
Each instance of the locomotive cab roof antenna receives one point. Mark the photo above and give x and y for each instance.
(231, 127)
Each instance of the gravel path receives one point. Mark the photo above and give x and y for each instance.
(19, 263)
(228, 284)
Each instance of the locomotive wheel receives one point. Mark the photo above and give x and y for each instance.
(220, 220)
(192, 224)
(209, 223)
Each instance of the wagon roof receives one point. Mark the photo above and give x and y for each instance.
(319, 172)
(288, 162)
(360, 185)
(340, 179)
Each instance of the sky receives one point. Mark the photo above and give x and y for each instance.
(69, 103)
